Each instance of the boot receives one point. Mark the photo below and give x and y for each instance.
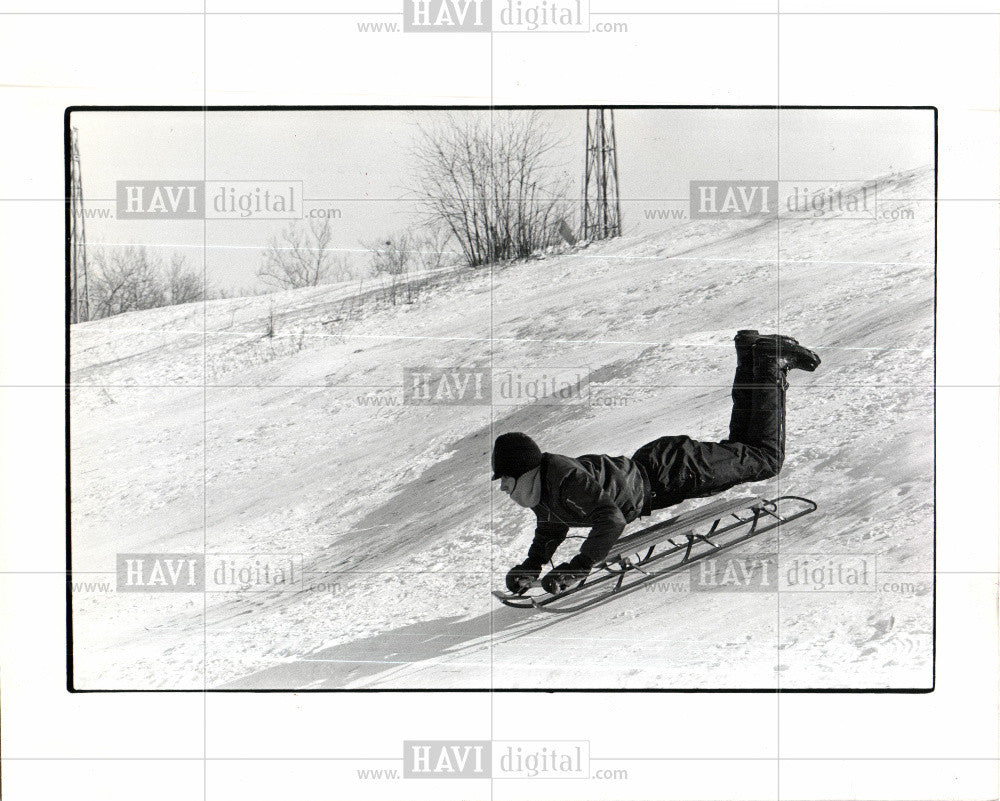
(744, 340)
(786, 353)
(743, 381)
(746, 337)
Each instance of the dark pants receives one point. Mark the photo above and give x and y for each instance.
(679, 468)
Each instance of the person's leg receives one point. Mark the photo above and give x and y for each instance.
(766, 431)
(773, 357)
(680, 467)
(741, 421)
(743, 381)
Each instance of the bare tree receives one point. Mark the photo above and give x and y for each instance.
(488, 182)
(431, 248)
(299, 256)
(342, 268)
(130, 278)
(183, 285)
(125, 279)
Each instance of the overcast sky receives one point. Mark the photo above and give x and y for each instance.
(360, 162)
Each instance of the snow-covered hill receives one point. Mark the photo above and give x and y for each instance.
(192, 429)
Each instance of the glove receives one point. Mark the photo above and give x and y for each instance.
(520, 577)
(563, 576)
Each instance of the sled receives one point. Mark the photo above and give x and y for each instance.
(668, 547)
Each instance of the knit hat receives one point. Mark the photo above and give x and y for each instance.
(514, 454)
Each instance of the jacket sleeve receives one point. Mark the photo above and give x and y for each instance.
(548, 537)
(585, 496)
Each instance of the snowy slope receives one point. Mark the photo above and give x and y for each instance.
(300, 444)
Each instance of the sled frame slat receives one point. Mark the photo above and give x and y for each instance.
(620, 565)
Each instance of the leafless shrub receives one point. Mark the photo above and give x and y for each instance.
(488, 183)
(391, 256)
(182, 284)
(430, 249)
(125, 279)
(299, 256)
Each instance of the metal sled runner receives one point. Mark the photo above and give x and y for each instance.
(729, 522)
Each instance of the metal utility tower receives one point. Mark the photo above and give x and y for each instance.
(602, 213)
(79, 288)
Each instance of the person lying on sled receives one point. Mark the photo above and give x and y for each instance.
(605, 493)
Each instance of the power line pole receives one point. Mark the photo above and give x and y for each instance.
(80, 310)
(602, 214)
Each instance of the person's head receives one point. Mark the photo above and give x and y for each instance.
(516, 463)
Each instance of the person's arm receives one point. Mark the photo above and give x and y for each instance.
(549, 535)
(584, 495)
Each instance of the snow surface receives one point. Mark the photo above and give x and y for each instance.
(193, 430)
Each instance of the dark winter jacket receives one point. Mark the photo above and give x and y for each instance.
(603, 493)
